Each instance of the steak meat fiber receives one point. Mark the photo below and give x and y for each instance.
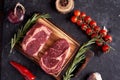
(54, 58)
(35, 39)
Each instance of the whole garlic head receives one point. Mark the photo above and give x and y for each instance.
(95, 76)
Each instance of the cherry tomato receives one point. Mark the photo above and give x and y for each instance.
(105, 48)
(79, 22)
(83, 27)
(96, 29)
(93, 24)
(82, 15)
(76, 12)
(74, 19)
(108, 38)
(88, 31)
(99, 43)
(103, 33)
(94, 35)
(87, 19)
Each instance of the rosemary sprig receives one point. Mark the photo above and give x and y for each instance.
(78, 58)
(21, 32)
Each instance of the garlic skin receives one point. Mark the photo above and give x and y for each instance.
(95, 76)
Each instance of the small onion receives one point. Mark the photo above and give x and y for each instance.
(17, 14)
(95, 76)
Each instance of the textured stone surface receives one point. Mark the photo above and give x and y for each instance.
(105, 12)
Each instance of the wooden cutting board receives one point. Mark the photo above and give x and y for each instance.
(56, 34)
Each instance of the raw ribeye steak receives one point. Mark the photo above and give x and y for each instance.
(54, 58)
(35, 39)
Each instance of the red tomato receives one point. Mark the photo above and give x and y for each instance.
(82, 15)
(96, 29)
(87, 19)
(83, 27)
(108, 38)
(88, 31)
(94, 35)
(93, 24)
(79, 22)
(99, 43)
(105, 48)
(103, 33)
(74, 19)
(76, 12)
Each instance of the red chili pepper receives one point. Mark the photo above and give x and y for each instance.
(23, 70)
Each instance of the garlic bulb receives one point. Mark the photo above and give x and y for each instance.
(95, 76)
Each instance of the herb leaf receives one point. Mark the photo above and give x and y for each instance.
(78, 58)
(21, 32)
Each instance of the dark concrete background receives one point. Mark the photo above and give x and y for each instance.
(105, 12)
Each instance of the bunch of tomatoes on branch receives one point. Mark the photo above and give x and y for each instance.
(90, 27)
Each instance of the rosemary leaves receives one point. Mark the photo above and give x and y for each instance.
(21, 32)
(78, 58)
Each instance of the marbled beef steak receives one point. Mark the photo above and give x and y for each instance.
(35, 39)
(54, 58)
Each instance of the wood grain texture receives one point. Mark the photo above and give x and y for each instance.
(56, 34)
